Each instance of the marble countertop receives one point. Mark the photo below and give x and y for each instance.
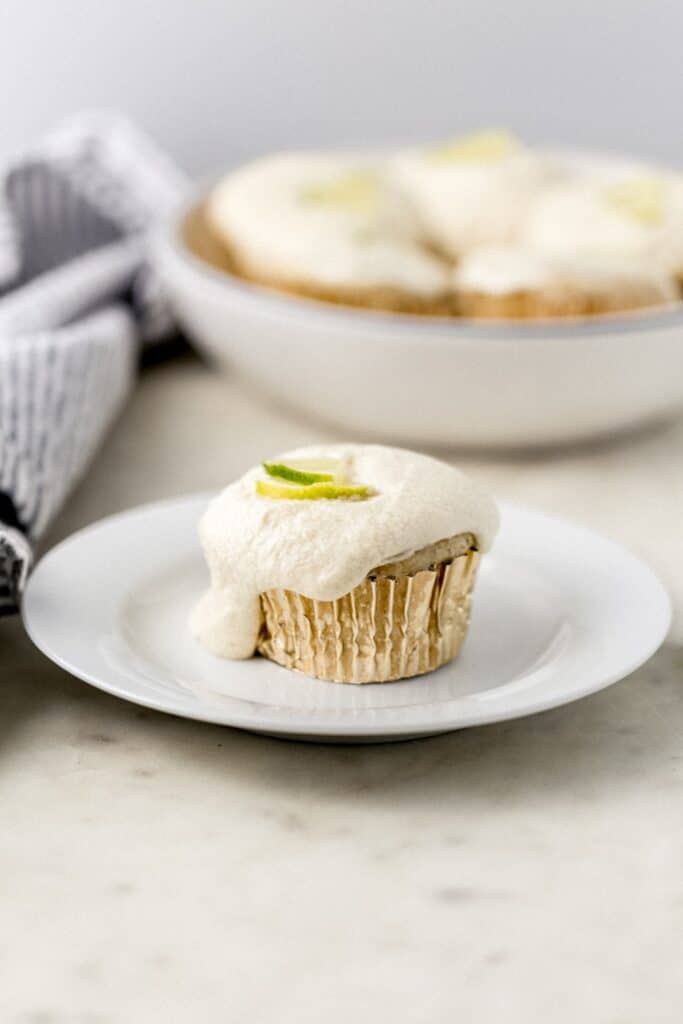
(162, 870)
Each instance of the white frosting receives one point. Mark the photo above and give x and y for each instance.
(498, 270)
(513, 219)
(469, 203)
(578, 219)
(323, 549)
(603, 275)
(299, 218)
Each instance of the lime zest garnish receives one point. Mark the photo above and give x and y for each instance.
(312, 492)
(641, 197)
(309, 479)
(354, 190)
(295, 476)
(479, 147)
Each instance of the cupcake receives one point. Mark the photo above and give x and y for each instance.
(634, 216)
(520, 283)
(473, 191)
(327, 226)
(352, 563)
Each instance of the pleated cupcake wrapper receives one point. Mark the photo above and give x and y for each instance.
(386, 628)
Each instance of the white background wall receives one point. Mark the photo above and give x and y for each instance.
(219, 79)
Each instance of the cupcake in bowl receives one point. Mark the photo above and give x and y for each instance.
(350, 563)
(634, 215)
(327, 226)
(475, 190)
(513, 283)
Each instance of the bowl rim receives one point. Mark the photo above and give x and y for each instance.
(407, 325)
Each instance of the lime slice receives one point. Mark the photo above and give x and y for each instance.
(294, 475)
(355, 190)
(316, 464)
(480, 147)
(311, 492)
(641, 197)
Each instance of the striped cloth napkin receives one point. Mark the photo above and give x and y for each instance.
(77, 299)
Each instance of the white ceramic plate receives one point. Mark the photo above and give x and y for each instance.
(559, 613)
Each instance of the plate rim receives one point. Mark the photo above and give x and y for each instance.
(356, 728)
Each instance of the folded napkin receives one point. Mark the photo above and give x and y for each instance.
(77, 298)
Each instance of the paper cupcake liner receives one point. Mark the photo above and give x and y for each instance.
(386, 628)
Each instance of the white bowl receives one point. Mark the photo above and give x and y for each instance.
(429, 380)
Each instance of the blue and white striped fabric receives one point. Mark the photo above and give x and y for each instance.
(77, 297)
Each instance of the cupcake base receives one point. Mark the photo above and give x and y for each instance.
(204, 242)
(387, 628)
(393, 300)
(563, 302)
(388, 300)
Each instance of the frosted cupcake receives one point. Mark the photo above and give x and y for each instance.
(520, 283)
(352, 563)
(327, 226)
(634, 216)
(471, 192)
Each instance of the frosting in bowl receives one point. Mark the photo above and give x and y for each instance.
(501, 270)
(630, 216)
(323, 549)
(470, 200)
(329, 219)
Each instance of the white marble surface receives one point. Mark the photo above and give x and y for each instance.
(160, 870)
